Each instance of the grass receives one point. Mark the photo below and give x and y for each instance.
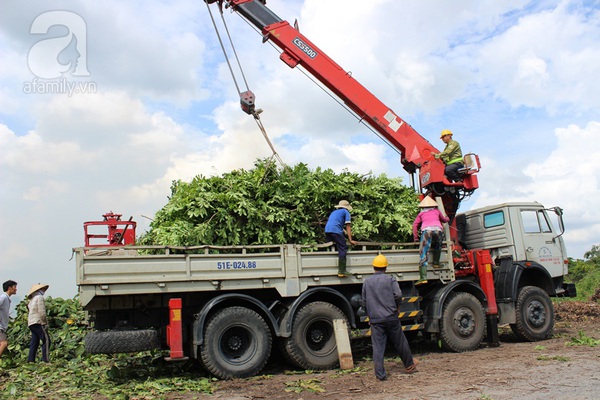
(553, 358)
(583, 340)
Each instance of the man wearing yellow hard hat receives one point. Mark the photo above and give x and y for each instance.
(381, 299)
(451, 156)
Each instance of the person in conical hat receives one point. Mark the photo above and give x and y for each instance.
(338, 223)
(429, 221)
(37, 287)
(38, 322)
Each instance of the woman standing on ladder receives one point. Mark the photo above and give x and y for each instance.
(429, 221)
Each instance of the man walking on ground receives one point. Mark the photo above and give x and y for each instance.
(9, 287)
(381, 298)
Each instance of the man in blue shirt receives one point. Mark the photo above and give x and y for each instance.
(338, 222)
(381, 299)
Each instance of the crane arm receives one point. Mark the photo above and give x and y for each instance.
(416, 152)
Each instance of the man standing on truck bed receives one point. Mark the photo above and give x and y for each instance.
(338, 222)
(381, 298)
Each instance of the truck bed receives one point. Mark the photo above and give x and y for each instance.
(288, 268)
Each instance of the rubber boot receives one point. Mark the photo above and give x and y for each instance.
(436, 258)
(342, 273)
(422, 274)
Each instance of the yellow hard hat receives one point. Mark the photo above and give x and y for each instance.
(380, 261)
(446, 132)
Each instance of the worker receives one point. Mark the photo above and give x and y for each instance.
(38, 323)
(429, 221)
(381, 299)
(337, 223)
(10, 288)
(451, 156)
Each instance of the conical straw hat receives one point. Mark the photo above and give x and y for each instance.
(36, 287)
(428, 202)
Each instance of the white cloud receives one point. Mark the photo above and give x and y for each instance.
(567, 178)
(540, 61)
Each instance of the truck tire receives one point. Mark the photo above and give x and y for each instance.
(312, 344)
(121, 341)
(535, 314)
(237, 343)
(462, 326)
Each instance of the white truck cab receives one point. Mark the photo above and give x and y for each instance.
(520, 231)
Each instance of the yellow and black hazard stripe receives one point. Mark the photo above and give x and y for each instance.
(405, 328)
(414, 327)
(410, 314)
(413, 299)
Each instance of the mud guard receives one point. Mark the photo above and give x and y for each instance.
(510, 276)
(341, 301)
(199, 322)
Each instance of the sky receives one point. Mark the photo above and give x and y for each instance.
(104, 104)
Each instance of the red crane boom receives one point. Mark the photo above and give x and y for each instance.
(416, 152)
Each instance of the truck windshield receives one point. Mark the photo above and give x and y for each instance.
(535, 221)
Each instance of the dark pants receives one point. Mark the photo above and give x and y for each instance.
(38, 333)
(452, 171)
(380, 333)
(339, 241)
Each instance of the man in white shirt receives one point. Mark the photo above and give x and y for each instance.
(10, 288)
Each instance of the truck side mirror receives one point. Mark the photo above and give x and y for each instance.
(559, 213)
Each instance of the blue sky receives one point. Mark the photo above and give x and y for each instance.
(514, 80)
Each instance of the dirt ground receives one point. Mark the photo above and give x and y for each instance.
(549, 369)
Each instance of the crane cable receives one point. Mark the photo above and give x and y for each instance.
(254, 113)
(327, 91)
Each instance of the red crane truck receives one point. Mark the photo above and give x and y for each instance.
(227, 306)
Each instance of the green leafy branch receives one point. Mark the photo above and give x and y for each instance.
(583, 340)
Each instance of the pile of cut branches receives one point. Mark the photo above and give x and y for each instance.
(271, 205)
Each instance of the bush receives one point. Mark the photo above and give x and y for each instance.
(588, 286)
(586, 274)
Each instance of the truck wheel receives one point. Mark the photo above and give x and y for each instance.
(462, 326)
(237, 343)
(126, 341)
(535, 314)
(312, 344)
